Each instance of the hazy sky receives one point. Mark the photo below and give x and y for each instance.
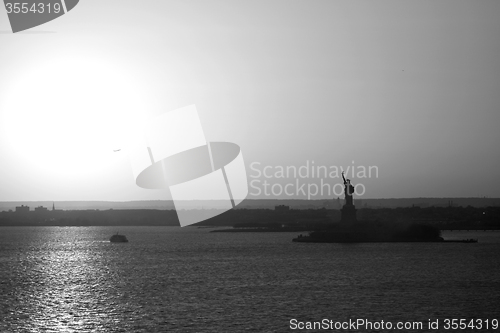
(411, 87)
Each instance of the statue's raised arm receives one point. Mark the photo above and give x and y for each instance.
(343, 177)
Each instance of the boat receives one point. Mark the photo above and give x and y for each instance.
(118, 239)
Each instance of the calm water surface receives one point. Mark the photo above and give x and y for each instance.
(71, 279)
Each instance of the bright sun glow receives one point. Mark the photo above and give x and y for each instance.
(66, 117)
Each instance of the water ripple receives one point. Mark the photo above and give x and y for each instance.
(188, 280)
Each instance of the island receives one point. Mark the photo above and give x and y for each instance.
(350, 230)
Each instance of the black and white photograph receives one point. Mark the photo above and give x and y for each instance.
(249, 166)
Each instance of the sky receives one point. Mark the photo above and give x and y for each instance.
(408, 88)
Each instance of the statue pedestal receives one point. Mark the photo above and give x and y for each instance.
(348, 213)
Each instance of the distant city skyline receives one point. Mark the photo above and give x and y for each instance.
(334, 203)
(408, 87)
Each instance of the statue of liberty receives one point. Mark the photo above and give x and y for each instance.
(348, 191)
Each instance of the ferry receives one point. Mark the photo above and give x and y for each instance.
(118, 239)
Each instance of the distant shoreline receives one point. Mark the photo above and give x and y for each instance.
(260, 203)
(282, 218)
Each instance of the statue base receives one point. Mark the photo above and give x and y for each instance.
(348, 214)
